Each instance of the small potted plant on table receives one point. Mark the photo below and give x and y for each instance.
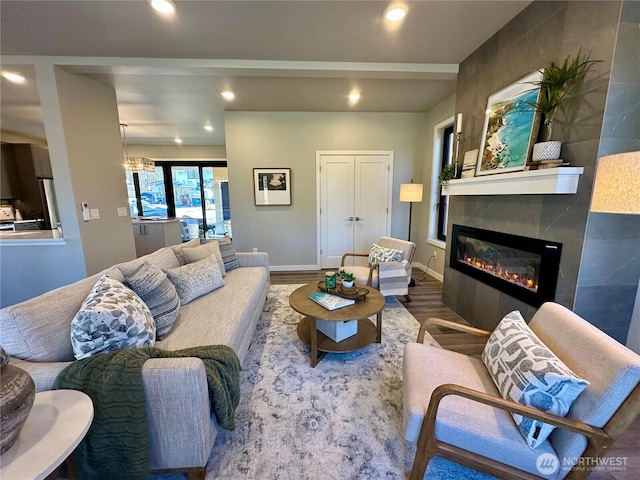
(347, 280)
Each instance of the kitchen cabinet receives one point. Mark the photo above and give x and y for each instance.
(9, 186)
(31, 164)
(151, 235)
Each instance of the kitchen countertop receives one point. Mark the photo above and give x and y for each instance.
(31, 237)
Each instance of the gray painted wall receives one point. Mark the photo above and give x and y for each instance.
(283, 139)
(543, 32)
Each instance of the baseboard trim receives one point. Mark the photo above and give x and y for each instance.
(428, 271)
(292, 268)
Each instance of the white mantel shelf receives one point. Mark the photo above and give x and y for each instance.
(533, 182)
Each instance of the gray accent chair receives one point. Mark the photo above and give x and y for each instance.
(453, 410)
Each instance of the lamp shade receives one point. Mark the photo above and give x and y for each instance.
(617, 185)
(410, 192)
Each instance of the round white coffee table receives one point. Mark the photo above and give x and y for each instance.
(58, 421)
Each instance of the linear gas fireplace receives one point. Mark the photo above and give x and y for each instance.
(525, 268)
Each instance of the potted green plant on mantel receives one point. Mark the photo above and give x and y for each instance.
(448, 173)
(559, 87)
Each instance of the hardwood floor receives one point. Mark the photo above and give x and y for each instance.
(426, 302)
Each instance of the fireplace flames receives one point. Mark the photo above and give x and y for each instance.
(495, 269)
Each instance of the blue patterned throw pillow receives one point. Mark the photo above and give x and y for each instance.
(112, 317)
(156, 290)
(527, 372)
(380, 254)
(228, 254)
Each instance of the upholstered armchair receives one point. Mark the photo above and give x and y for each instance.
(388, 266)
(454, 409)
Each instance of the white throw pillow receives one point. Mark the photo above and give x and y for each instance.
(526, 371)
(112, 317)
(195, 279)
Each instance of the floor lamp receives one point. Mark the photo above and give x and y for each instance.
(410, 192)
(617, 190)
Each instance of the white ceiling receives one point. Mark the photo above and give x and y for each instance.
(275, 55)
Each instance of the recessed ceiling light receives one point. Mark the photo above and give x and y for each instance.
(208, 128)
(13, 77)
(395, 12)
(354, 97)
(228, 95)
(163, 6)
(178, 140)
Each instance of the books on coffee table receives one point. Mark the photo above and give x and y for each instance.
(330, 301)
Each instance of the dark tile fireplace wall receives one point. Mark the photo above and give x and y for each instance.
(543, 32)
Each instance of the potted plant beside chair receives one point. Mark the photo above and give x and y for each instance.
(559, 86)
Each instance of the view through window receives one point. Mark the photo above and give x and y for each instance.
(196, 193)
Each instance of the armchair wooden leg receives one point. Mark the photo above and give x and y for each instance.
(407, 298)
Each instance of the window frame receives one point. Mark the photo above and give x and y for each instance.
(436, 168)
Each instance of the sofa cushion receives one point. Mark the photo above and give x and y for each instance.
(526, 371)
(38, 329)
(156, 290)
(231, 313)
(112, 317)
(228, 254)
(380, 254)
(195, 279)
(193, 254)
(462, 422)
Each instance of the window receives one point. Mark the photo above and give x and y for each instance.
(442, 155)
(443, 203)
(195, 192)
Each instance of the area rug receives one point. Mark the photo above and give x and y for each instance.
(339, 420)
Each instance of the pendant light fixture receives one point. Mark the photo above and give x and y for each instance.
(135, 164)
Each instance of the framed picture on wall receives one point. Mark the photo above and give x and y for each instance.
(510, 127)
(272, 186)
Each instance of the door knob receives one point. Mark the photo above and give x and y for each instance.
(350, 219)
(358, 219)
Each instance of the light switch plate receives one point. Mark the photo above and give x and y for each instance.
(95, 214)
(6, 213)
(122, 212)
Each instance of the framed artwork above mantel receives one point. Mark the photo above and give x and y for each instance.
(510, 127)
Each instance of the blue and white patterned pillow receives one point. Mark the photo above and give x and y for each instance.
(526, 371)
(228, 254)
(156, 290)
(195, 279)
(112, 317)
(380, 254)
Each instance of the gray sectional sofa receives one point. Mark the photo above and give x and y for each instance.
(36, 333)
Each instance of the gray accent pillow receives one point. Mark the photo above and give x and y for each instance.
(112, 317)
(380, 254)
(193, 254)
(154, 288)
(228, 254)
(195, 279)
(526, 371)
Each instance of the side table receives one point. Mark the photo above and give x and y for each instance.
(58, 421)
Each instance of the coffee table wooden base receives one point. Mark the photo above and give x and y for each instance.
(320, 344)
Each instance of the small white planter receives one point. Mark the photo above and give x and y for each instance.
(346, 284)
(546, 151)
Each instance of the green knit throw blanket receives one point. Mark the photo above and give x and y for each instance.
(117, 443)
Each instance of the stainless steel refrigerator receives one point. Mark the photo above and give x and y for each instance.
(50, 214)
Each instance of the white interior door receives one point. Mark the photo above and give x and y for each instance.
(336, 207)
(372, 174)
(354, 199)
